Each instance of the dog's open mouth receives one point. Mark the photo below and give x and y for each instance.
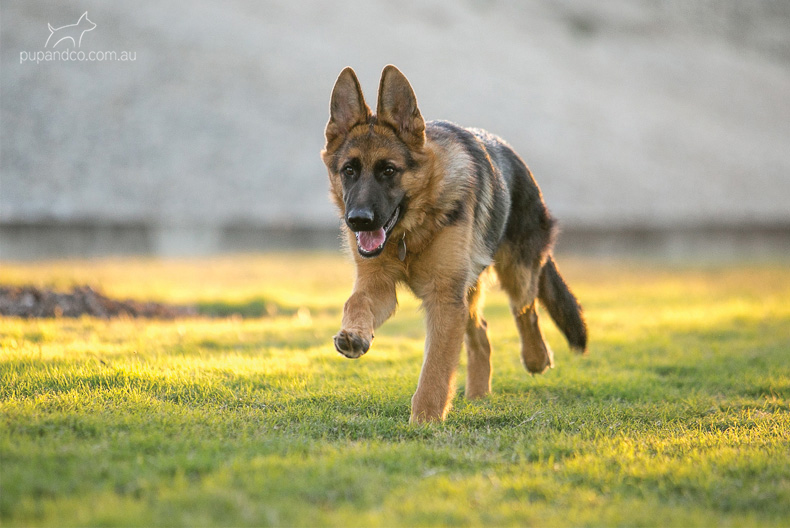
(371, 243)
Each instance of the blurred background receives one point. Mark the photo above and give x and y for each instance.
(651, 127)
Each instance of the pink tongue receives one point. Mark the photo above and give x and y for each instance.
(370, 240)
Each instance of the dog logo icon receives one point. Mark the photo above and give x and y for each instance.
(73, 32)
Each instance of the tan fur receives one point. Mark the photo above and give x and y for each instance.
(442, 264)
(478, 348)
(436, 259)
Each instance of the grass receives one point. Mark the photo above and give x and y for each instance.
(679, 416)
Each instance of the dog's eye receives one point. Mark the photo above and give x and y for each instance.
(348, 170)
(388, 171)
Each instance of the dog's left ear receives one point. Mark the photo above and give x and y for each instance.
(397, 107)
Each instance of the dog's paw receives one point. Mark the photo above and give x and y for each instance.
(429, 406)
(351, 345)
(539, 360)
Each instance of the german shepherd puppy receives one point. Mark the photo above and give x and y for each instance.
(434, 205)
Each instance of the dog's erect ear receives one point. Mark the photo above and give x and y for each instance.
(397, 107)
(347, 107)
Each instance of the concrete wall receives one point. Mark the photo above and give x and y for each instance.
(631, 113)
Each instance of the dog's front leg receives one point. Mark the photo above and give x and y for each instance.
(446, 323)
(371, 303)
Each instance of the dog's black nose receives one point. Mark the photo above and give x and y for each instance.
(360, 219)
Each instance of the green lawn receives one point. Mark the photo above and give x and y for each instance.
(679, 416)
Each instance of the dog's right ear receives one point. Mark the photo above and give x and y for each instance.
(347, 108)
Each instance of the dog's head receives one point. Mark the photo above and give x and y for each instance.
(370, 156)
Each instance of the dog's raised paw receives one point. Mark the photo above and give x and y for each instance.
(351, 345)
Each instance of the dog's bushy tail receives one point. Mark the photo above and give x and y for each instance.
(563, 306)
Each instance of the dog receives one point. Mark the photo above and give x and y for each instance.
(73, 32)
(434, 205)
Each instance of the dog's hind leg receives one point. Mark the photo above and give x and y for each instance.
(520, 281)
(478, 348)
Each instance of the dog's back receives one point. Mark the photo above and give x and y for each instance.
(512, 225)
(509, 207)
